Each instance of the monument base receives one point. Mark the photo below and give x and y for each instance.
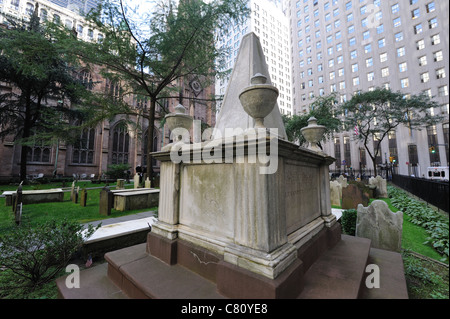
(239, 283)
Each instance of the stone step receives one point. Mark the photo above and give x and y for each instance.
(139, 275)
(339, 272)
(94, 284)
(392, 284)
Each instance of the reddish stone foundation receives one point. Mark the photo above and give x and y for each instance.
(239, 283)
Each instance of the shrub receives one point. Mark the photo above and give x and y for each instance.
(348, 221)
(116, 171)
(36, 254)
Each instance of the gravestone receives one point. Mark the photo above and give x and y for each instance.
(335, 193)
(75, 195)
(106, 201)
(258, 223)
(342, 180)
(83, 197)
(352, 195)
(120, 184)
(147, 183)
(18, 206)
(381, 186)
(72, 191)
(136, 181)
(380, 225)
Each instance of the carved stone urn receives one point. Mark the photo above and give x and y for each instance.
(313, 133)
(259, 99)
(179, 123)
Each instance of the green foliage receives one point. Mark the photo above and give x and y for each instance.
(348, 221)
(36, 254)
(436, 225)
(116, 171)
(380, 111)
(323, 109)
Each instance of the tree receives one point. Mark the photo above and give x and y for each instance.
(178, 44)
(42, 82)
(323, 109)
(376, 113)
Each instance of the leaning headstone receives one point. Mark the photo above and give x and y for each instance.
(106, 201)
(335, 193)
(342, 180)
(380, 225)
(352, 196)
(147, 183)
(72, 191)
(75, 195)
(83, 197)
(136, 181)
(120, 184)
(381, 186)
(18, 206)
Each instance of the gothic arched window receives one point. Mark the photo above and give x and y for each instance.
(120, 145)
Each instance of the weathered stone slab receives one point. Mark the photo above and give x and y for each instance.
(120, 184)
(136, 200)
(36, 196)
(352, 196)
(380, 225)
(381, 186)
(342, 180)
(106, 201)
(83, 197)
(335, 193)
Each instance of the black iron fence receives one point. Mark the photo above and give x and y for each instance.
(433, 192)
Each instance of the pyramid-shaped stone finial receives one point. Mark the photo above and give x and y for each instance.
(250, 61)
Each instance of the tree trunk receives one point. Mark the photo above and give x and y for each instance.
(150, 129)
(25, 135)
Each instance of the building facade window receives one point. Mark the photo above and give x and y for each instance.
(120, 144)
(83, 148)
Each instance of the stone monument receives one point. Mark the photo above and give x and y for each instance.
(235, 214)
(335, 193)
(380, 225)
(381, 186)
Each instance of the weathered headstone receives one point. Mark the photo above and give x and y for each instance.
(106, 201)
(147, 183)
(380, 225)
(83, 197)
(136, 181)
(120, 184)
(335, 193)
(381, 186)
(342, 180)
(352, 196)
(18, 206)
(72, 191)
(75, 195)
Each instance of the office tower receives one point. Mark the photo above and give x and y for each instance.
(269, 22)
(355, 46)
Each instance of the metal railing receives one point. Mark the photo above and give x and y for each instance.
(433, 192)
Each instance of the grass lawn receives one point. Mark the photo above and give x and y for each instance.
(37, 213)
(413, 236)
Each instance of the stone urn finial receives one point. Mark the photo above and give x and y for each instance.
(259, 99)
(313, 133)
(179, 122)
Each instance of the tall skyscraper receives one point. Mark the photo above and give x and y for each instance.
(270, 23)
(357, 45)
